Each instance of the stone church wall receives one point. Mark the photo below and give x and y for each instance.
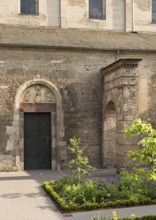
(77, 75)
(78, 79)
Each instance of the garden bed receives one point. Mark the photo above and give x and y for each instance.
(134, 188)
(121, 191)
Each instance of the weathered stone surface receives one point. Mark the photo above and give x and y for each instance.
(120, 104)
(7, 165)
(74, 80)
(80, 87)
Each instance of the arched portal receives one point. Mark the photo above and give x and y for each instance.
(38, 98)
(109, 136)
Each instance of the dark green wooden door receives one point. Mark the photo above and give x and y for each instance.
(37, 141)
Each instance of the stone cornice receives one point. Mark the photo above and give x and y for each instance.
(122, 63)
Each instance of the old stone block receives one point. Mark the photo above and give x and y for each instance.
(6, 165)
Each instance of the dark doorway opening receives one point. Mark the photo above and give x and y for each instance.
(37, 141)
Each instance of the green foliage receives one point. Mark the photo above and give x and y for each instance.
(147, 153)
(99, 217)
(81, 202)
(49, 189)
(79, 163)
(101, 193)
(75, 192)
(130, 187)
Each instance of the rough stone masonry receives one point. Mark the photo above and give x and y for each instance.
(91, 89)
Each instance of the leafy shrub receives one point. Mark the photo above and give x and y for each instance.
(149, 188)
(98, 193)
(80, 163)
(147, 153)
(130, 187)
(76, 192)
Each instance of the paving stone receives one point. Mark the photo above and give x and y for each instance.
(22, 197)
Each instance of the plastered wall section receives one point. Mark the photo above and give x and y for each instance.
(49, 13)
(142, 16)
(121, 15)
(65, 13)
(76, 15)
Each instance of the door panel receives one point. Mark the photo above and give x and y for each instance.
(37, 141)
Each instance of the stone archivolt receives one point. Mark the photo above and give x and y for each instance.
(37, 94)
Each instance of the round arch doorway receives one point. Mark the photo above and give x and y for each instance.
(38, 102)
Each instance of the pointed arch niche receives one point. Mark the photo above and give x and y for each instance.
(39, 95)
(109, 136)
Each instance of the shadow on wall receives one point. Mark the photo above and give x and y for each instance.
(82, 104)
(3, 137)
(109, 136)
